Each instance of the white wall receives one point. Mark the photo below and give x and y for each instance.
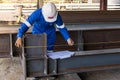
(113, 1)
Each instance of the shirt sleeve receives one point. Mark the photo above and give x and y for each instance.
(28, 23)
(61, 27)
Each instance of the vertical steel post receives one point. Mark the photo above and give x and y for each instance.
(23, 62)
(39, 3)
(103, 5)
(11, 46)
(80, 41)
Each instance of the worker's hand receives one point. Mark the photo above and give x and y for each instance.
(18, 42)
(70, 42)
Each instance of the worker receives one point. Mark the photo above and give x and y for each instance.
(45, 20)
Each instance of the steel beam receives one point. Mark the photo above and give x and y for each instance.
(89, 63)
(84, 61)
(36, 63)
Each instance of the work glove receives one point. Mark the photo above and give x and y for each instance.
(18, 42)
(70, 42)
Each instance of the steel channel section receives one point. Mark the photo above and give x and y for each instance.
(88, 63)
(35, 55)
(84, 63)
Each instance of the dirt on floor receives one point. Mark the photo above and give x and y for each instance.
(10, 69)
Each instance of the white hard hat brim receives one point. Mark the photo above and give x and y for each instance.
(50, 20)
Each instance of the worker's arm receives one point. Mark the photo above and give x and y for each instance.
(65, 34)
(63, 30)
(21, 32)
(25, 26)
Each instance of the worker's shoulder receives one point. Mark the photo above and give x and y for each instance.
(37, 12)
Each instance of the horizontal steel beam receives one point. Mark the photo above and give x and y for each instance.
(84, 61)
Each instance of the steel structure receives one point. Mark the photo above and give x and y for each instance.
(96, 48)
(97, 45)
(36, 63)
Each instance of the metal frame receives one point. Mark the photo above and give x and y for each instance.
(82, 61)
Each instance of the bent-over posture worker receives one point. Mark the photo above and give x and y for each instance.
(44, 20)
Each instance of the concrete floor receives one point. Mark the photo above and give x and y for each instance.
(102, 75)
(11, 69)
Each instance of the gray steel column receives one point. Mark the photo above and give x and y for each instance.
(80, 41)
(103, 5)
